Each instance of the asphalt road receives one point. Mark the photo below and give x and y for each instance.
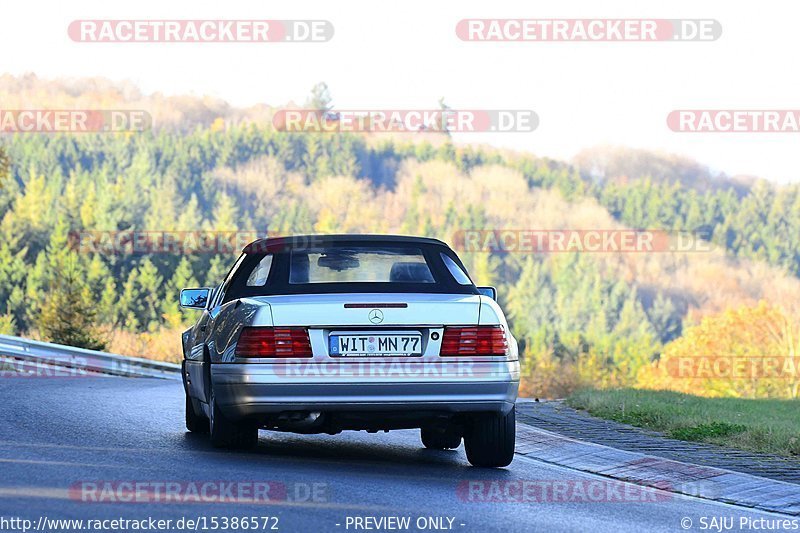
(57, 433)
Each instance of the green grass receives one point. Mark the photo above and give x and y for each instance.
(766, 426)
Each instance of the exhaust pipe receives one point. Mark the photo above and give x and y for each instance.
(300, 420)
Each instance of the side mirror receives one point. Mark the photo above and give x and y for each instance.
(491, 292)
(195, 298)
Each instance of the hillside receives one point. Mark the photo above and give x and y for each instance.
(602, 318)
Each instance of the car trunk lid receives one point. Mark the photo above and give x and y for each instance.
(373, 310)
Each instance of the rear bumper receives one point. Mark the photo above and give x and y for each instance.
(251, 390)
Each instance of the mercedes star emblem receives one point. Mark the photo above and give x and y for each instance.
(376, 316)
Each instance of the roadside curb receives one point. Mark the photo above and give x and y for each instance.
(682, 478)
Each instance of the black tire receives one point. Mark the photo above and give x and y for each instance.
(194, 422)
(434, 439)
(489, 440)
(226, 433)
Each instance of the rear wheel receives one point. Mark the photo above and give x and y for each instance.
(194, 422)
(436, 439)
(489, 440)
(226, 433)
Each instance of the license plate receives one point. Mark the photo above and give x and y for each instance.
(366, 345)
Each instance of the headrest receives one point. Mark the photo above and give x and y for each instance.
(411, 273)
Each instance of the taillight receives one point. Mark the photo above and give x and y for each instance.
(273, 342)
(474, 340)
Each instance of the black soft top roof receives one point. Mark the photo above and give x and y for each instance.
(277, 282)
(274, 244)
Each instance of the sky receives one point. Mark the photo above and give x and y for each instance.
(406, 55)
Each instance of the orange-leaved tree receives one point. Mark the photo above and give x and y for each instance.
(748, 352)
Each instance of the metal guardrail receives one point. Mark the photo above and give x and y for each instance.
(77, 361)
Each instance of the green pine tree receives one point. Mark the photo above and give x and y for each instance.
(68, 313)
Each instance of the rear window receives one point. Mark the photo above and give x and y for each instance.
(350, 267)
(359, 265)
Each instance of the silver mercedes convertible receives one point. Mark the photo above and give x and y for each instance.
(319, 334)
